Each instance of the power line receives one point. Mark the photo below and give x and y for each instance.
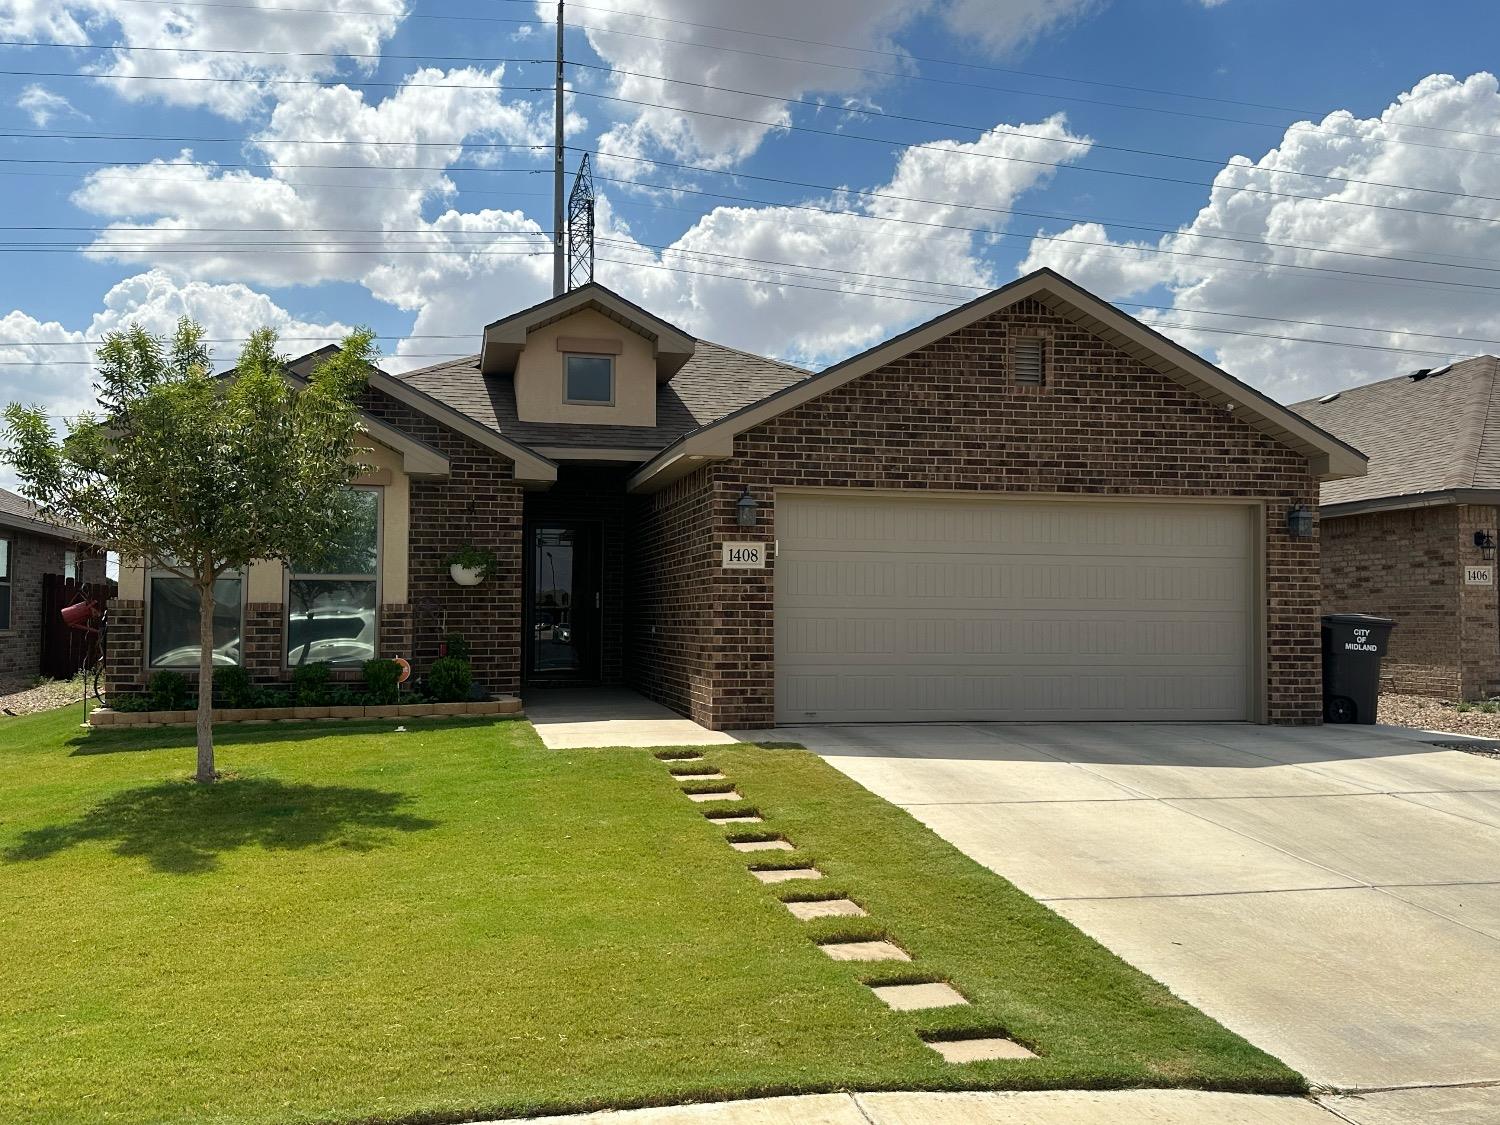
(276, 81)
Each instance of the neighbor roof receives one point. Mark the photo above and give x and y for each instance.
(1430, 437)
(715, 381)
(20, 513)
(1331, 458)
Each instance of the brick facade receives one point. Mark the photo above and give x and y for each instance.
(947, 417)
(32, 556)
(1408, 565)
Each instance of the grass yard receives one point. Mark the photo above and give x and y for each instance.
(453, 922)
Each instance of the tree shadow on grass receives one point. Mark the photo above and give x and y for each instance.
(182, 827)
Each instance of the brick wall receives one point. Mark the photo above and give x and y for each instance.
(1479, 610)
(31, 557)
(947, 418)
(124, 656)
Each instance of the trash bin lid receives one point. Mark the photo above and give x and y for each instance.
(1357, 619)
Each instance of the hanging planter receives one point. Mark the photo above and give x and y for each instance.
(470, 566)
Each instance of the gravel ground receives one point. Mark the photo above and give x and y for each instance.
(1423, 713)
(28, 696)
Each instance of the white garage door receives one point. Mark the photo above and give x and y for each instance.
(904, 610)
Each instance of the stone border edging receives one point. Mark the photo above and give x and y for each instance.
(505, 705)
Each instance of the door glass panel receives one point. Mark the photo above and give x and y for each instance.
(554, 640)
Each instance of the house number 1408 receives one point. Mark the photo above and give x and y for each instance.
(747, 556)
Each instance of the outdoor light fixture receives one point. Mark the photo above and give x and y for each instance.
(1299, 522)
(744, 509)
(1486, 544)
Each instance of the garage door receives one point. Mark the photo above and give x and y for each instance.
(903, 610)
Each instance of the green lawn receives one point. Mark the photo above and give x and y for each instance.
(453, 922)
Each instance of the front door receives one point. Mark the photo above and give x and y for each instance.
(562, 601)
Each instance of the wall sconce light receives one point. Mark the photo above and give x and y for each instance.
(1486, 544)
(1299, 522)
(745, 509)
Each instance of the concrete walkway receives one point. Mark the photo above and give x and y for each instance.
(567, 718)
(1332, 894)
(1065, 1107)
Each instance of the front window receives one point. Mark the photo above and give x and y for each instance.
(590, 379)
(5, 549)
(70, 566)
(332, 601)
(173, 621)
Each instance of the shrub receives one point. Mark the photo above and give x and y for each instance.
(233, 688)
(457, 646)
(310, 685)
(382, 682)
(449, 679)
(273, 697)
(128, 701)
(346, 697)
(168, 691)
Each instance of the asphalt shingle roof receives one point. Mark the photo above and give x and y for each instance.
(716, 381)
(1431, 434)
(14, 507)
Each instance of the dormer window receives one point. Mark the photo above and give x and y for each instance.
(589, 380)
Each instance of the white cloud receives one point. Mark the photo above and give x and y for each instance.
(44, 107)
(1400, 311)
(693, 52)
(52, 369)
(321, 41)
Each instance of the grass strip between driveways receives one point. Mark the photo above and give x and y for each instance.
(453, 922)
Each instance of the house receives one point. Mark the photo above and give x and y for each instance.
(1414, 540)
(1030, 507)
(34, 554)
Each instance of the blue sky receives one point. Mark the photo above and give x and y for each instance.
(417, 235)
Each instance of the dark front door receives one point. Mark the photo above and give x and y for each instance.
(562, 601)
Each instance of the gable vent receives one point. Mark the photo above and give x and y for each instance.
(1029, 361)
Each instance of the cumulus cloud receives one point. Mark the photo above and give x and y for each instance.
(52, 367)
(44, 107)
(1321, 257)
(320, 40)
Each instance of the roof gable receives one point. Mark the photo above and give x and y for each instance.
(1330, 457)
(504, 338)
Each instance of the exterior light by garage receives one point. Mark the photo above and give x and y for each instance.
(1486, 544)
(1299, 522)
(745, 509)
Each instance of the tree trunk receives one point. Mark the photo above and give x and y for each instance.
(206, 772)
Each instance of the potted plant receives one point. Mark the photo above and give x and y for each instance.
(470, 565)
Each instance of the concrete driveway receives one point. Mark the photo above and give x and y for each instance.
(1332, 894)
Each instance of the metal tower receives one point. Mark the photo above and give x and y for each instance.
(581, 227)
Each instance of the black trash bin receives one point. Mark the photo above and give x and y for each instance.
(1353, 644)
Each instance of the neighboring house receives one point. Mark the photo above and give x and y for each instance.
(1408, 541)
(1031, 507)
(30, 549)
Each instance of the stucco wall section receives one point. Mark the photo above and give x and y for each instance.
(947, 417)
(539, 374)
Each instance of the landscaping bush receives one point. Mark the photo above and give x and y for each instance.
(232, 687)
(346, 697)
(128, 701)
(310, 685)
(168, 691)
(458, 647)
(449, 680)
(382, 682)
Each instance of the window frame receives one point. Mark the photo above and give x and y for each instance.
(155, 572)
(568, 357)
(7, 579)
(290, 574)
(70, 562)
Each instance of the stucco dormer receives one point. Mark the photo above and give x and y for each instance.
(588, 357)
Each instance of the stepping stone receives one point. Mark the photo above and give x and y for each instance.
(730, 818)
(701, 798)
(715, 776)
(865, 951)
(979, 1050)
(761, 846)
(785, 874)
(914, 997)
(826, 908)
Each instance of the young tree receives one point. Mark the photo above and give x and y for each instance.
(197, 473)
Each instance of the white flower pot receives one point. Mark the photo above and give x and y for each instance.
(466, 576)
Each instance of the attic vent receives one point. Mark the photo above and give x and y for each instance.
(1447, 367)
(1330, 398)
(1029, 361)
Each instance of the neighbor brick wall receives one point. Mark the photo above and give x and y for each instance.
(31, 557)
(1479, 611)
(946, 417)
